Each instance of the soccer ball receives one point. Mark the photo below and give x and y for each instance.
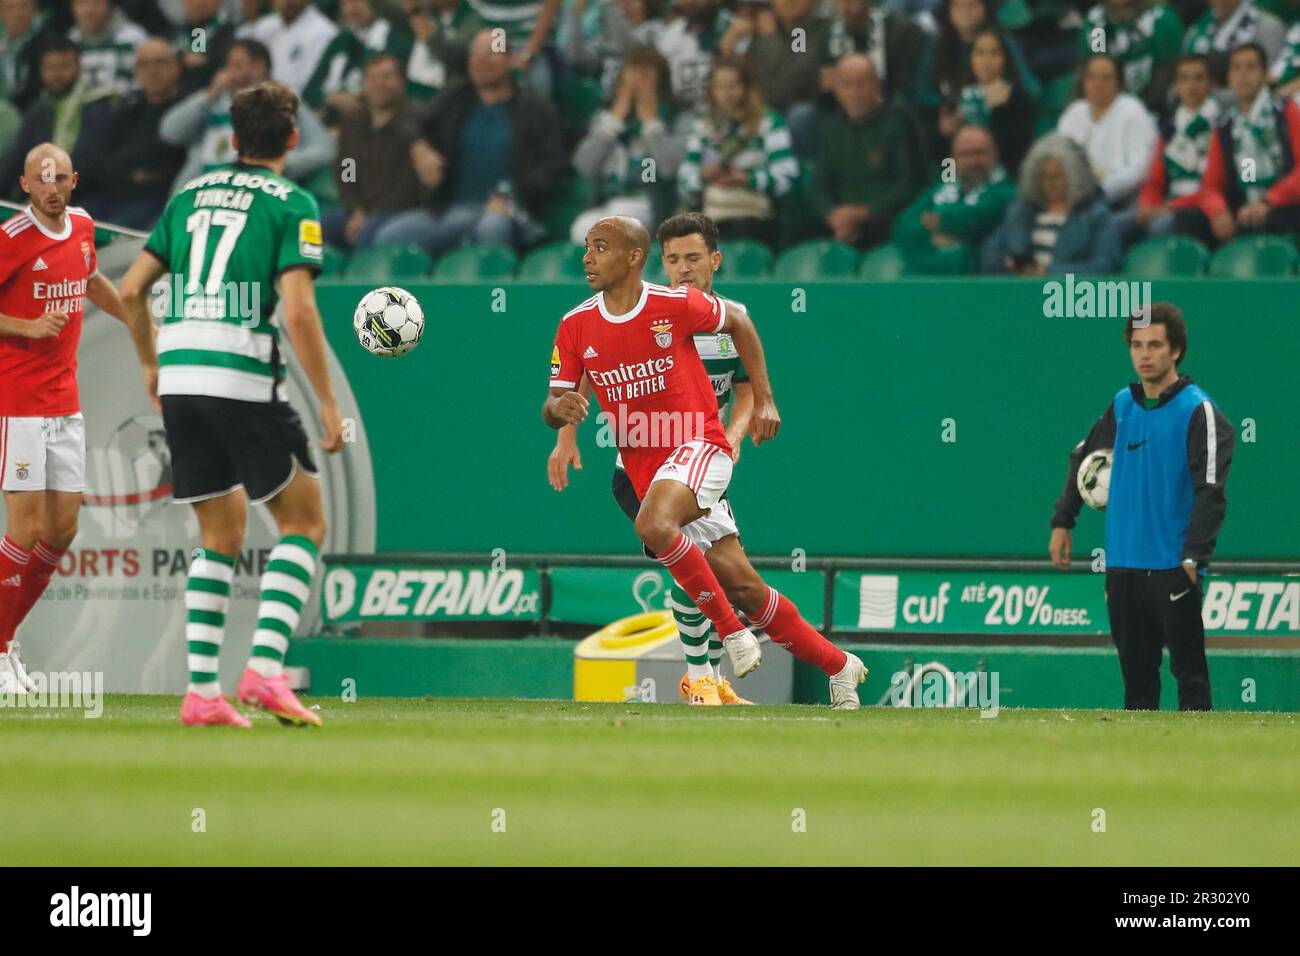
(1094, 479)
(388, 322)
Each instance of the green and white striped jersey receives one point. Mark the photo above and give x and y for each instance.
(108, 60)
(224, 239)
(516, 17)
(723, 364)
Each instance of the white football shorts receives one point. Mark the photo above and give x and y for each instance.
(43, 454)
(706, 470)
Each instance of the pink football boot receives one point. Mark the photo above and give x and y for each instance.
(273, 694)
(199, 711)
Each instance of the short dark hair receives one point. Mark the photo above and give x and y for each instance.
(1258, 50)
(1168, 315)
(689, 224)
(59, 43)
(254, 48)
(1083, 68)
(381, 56)
(1200, 58)
(263, 118)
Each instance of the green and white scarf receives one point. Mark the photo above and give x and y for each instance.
(1287, 65)
(1188, 147)
(948, 194)
(1210, 36)
(841, 41)
(1255, 138)
(974, 106)
(1132, 42)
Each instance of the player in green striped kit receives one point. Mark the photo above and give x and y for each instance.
(688, 260)
(225, 240)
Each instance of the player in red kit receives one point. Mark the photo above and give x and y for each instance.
(47, 271)
(634, 342)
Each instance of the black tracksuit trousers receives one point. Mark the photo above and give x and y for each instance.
(1151, 610)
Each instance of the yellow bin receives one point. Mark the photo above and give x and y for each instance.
(605, 664)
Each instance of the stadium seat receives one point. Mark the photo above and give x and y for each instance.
(334, 263)
(819, 259)
(476, 264)
(1056, 97)
(1256, 257)
(883, 263)
(389, 263)
(324, 186)
(1166, 258)
(553, 262)
(571, 198)
(745, 259)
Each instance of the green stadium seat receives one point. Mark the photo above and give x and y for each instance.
(1256, 257)
(385, 264)
(1166, 258)
(794, 213)
(476, 264)
(819, 259)
(1056, 97)
(571, 198)
(882, 264)
(324, 186)
(553, 262)
(745, 259)
(334, 263)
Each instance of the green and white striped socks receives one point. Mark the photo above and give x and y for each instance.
(694, 630)
(285, 586)
(207, 598)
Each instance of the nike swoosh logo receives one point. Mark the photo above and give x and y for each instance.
(1175, 597)
(1134, 446)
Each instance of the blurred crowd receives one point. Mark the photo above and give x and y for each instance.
(975, 135)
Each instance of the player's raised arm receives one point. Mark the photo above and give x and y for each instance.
(565, 452)
(765, 421)
(303, 323)
(139, 279)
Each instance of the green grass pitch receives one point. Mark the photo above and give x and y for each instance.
(399, 781)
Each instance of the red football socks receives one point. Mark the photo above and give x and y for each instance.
(44, 562)
(13, 574)
(690, 569)
(783, 623)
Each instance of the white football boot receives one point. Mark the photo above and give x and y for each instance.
(20, 670)
(844, 685)
(743, 650)
(10, 685)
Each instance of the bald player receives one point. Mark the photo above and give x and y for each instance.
(47, 272)
(634, 341)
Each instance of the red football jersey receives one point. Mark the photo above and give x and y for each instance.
(647, 373)
(43, 271)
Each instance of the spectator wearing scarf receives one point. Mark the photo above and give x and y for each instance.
(1251, 181)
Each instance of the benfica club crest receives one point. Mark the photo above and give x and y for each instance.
(85, 253)
(663, 334)
(21, 467)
